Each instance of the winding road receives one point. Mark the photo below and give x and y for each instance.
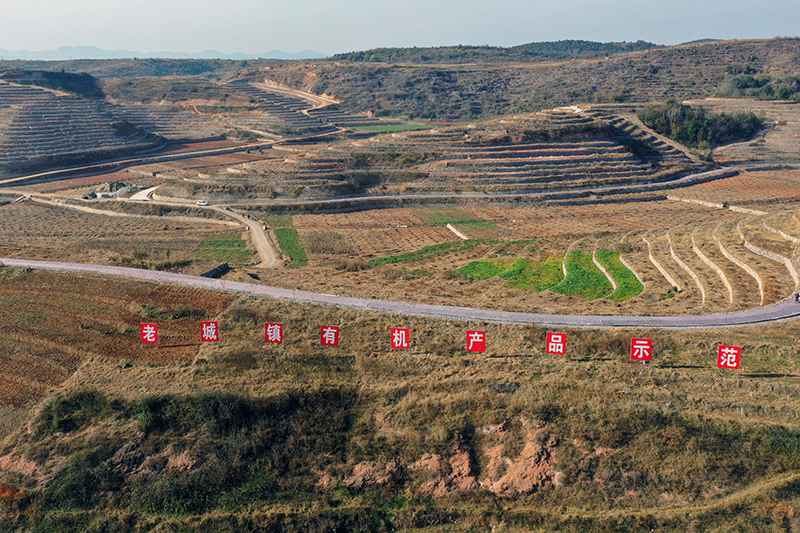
(782, 311)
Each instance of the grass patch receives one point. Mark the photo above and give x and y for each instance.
(429, 252)
(482, 269)
(393, 127)
(532, 276)
(628, 285)
(289, 242)
(583, 279)
(227, 248)
(277, 221)
(448, 215)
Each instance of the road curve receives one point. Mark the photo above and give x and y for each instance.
(781, 311)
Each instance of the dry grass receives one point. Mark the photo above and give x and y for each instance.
(594, 404)
(37, 231)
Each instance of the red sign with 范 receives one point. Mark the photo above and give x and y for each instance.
(476, 341)
(641, 349)
(556, 343)
(729, 356)
(274, 332)
(149, 333)
(401, 338)
(329, 336)
(209, 331)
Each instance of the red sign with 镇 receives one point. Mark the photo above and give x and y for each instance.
(273, 333)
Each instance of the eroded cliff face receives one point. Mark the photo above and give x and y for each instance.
(498, 460)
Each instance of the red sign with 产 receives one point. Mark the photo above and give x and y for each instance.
(476, 341)
(149, 333)
(556, 343)
(209, 331)
(273, 333)
(729, 356)
(641, 349)
(401, 338)
(329, 336)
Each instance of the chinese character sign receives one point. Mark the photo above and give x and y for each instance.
(329, 336)
(400, 338)
(556, 343)
(149, 333)
(209, 331)
(476, 341)
(274, 333)
(641, 349)
(729, 356)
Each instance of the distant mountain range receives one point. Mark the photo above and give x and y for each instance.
(66, 53)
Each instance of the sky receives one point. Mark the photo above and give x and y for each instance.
(335, 26)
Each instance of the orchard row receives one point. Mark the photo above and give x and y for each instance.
(400, 339)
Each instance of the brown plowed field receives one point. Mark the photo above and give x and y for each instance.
(52, 322)
(748, 188)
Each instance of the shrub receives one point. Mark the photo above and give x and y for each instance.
(326, 242)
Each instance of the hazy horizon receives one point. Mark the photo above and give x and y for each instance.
(252, 26)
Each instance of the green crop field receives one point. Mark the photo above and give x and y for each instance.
(289, 243)
(583, 279)
(628, 285)
(482, 269)
(228, 248)
(533, 276)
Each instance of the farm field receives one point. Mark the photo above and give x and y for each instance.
(30, 229)
(773, 186)
(88, 318)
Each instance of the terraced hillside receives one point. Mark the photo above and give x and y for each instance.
(295, 112)
(735, 261)
(731, 262)
(170, 122)
(779, 141)
(41, 128)
(554, 150)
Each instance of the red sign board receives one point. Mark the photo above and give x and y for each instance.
(476, 341)
(329, 336)
(149, 333)
(729, 356)
(556, 343)
(641, 349)
(274, 332)
(209, 331)
(401, 339)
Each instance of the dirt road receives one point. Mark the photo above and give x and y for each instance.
(263, 244)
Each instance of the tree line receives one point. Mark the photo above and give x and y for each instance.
(698, 128)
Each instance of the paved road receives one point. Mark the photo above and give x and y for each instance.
(781, 311)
